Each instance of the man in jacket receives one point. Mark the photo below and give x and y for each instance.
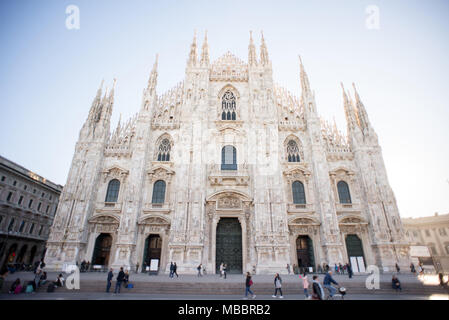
(327, 283)
(109, 281)
(120, 277)
(317, 289)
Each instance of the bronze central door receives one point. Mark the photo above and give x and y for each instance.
(229, 245)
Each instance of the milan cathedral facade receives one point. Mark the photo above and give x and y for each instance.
(227, 167)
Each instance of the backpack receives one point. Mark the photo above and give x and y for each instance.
(51, 287)
(29, 289)
(18, 289)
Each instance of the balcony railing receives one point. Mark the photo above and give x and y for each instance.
(157, 207)
(300, 208)
(109, 206)
(348, 207)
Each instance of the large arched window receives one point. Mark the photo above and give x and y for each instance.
(113, 189)
(159, 192)
(228, 106)
(343, 192)
(164, 150)
(299, 196)
(292, 151)
(228, 158)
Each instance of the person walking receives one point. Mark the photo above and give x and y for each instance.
(175, 267)
(349, 268)
(137, 267)
(248, 284)
(305, 285)
(37, 279)
(396, 284)
(221, 269)
(199, 270)
(277, 286)
(412, 268)
(317, 289)
(109, 280)
(225, 268)
(327, 282)
(288, 268)
(172, 266)
(118, 282)
(397, 268)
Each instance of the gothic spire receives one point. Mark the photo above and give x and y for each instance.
(111, 97)
(152, 81)
(252, 59)
(349, 111)
(264, 52)
(305, 86)
(361, 111)
(193, 55)
(205, 52)
(96, 103)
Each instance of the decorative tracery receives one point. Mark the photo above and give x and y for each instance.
(228, 106)
(164, 150)
(293, 151)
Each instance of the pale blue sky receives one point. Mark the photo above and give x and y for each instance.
(49, 74)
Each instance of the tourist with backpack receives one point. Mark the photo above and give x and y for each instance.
(248, 284)
(277, 286)
(317, 289)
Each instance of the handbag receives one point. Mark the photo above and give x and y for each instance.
(130, 286)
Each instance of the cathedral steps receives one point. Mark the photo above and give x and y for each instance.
(233, 288)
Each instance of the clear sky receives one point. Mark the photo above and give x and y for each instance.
(49, 74)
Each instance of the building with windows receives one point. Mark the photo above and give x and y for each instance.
(432, 232)
(229, 167)
(28, 205)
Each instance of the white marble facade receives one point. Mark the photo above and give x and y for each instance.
(267, 125)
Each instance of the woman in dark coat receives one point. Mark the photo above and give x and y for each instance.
(248, 284)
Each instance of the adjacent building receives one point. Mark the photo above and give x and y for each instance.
(227, 166)
(432, 232)
(28, 205)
